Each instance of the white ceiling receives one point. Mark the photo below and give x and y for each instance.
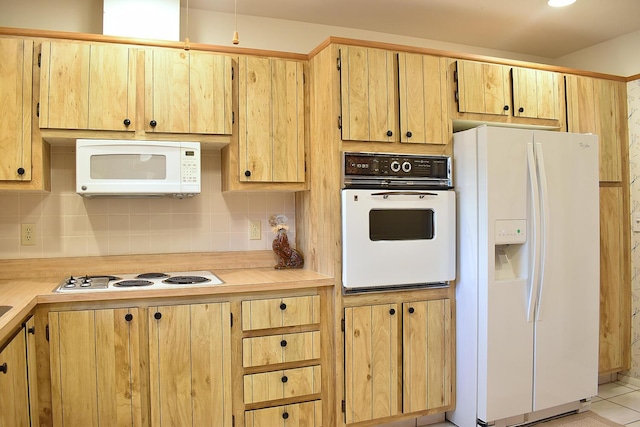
(523, 26)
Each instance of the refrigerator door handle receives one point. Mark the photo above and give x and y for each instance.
(535, 204)
(546, 220)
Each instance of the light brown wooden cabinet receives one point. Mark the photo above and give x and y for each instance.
(494, 89)
(14, 384)
(390, 97)
(397, 359)
(281, 360)
(87, 86)
(15, 109)
(271, 120)
(599, 106)
(187, 92)
(95, 368)
(190, 365)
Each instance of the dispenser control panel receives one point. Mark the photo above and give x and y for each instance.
(510, 231)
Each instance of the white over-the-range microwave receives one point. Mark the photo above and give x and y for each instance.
(117, 168)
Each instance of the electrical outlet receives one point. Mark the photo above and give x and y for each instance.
(255, 229)
(28, 234)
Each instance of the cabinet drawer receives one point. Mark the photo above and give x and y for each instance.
(280, 312)
(283, 348)
(281, 384)
(307, 414)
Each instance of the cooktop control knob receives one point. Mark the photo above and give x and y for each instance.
(86, 281)
(395, 166)
(406, 167)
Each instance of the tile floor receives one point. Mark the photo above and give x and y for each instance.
(617, 401)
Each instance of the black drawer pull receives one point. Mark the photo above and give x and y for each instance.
(128, 317)
(283, 306)
(411, 310)
(392, 311)
(285, 415)
(283, 343)
(284, 379)
(3, 368)
(157, 315)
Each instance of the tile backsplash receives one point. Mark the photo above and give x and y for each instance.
(68, 225)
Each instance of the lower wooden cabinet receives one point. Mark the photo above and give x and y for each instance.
(398, 359)
(190, 365)
(95, 370)
(14, 391)
(307, 414)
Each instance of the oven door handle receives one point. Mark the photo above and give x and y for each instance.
(386, 195)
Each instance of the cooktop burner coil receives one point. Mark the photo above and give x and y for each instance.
(186, 280)
(133, 282)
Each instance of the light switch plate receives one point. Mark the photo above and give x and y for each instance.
(636, 223)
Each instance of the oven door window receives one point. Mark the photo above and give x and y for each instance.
(129, 166)
(401, 224)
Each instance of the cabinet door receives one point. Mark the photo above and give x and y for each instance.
(535, 94)
(422, 98)
(15, 108)
(86, 86)
(190, 365)
(614, 293)
(210, 93)
(167, 90)
(371, 360)
(483, 88)
(271, 127)
(95, 368)
(280, 312)
(14, 400)
(368, 82)
(599, 106)
(427, 355)
(307, 414)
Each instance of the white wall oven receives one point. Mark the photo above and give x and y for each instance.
(398, 221)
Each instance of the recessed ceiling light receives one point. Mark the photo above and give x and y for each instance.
(560, 3)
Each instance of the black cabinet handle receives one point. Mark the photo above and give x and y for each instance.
(521, 110)
(3, 368)
(389, 133)
(247, 173)
(506, 108)
(21, 171)
(283, 306)
(283, 343)
(153, 123)
(129, 317)
(409, 134)
(411, 310)
(126, 122)
(392, 311)
(285, 415)
(32, 330)
(157, 315)
(285, 379)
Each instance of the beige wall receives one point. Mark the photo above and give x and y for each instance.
(83, 16)
(69, 225)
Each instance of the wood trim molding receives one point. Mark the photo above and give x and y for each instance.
(634, 77)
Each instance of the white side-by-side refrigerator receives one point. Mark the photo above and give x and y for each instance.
(527, 284)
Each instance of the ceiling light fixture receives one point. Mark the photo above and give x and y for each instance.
(560, 3)
(236, 40)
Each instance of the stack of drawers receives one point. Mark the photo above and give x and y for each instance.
(281, 362)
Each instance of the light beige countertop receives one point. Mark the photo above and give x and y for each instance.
(241, 272)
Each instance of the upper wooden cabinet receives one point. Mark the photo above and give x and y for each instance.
(599, 106)
(87, 86)
(389, 97)
(268, 150)
(15, 109)
(187, 92)
(500, 90)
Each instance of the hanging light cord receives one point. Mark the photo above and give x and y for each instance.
(235, 39)
(186, 39)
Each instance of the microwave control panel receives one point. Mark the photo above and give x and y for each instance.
(190, 166)
(388, 169)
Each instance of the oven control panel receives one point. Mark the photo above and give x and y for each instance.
(388, 170)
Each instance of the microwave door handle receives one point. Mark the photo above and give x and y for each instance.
(386, 195)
